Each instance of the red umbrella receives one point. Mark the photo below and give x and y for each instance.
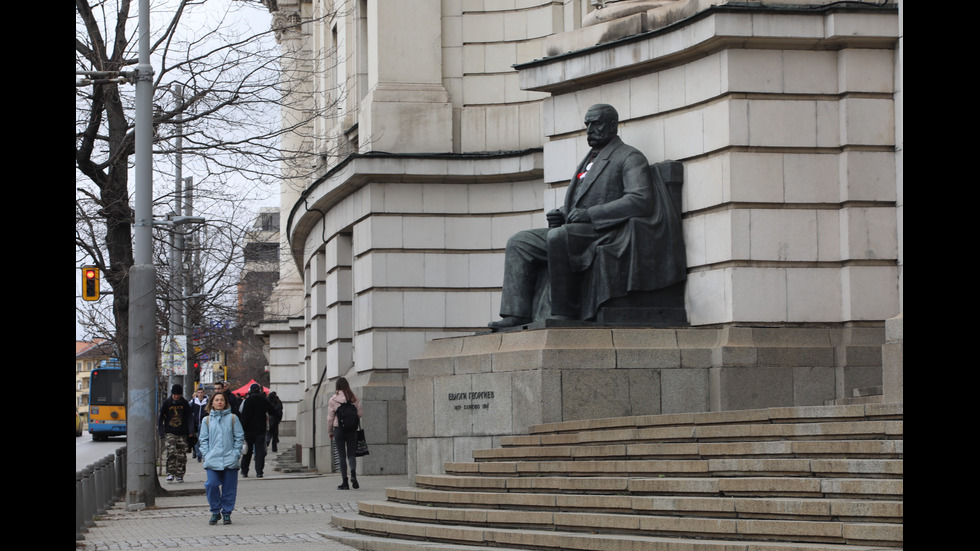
(242, 391)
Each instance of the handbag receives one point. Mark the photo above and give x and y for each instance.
(362, 447)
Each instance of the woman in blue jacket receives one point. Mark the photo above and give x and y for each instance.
(221, 440)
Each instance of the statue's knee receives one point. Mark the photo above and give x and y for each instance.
(527, 243)
(515, 241)
(556, 235)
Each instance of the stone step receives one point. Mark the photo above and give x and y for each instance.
(776, 479)
(678, 534)
(831, 430)
(854, 449)
(714, 506)
(828, 531)
(806, 414)
(868, 468)
(293, 468)
(285, 462)
(869, 399)
(366, 542)
(797, 487)
(876, 390)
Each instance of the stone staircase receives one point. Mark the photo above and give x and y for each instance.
(822, 477)
(287, 461)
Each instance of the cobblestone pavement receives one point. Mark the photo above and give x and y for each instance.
(287, 512)
(287, 509)
(209, 542)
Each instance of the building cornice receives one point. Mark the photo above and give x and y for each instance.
(835, 25)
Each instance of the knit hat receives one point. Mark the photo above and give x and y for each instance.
(177, 389)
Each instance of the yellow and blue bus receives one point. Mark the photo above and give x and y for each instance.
(107, 401)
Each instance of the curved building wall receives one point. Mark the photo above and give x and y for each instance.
(397, 252)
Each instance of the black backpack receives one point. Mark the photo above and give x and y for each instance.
(347, 418)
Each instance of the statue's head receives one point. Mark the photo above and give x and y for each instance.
(601, 125)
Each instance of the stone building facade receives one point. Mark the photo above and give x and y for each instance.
(430, 131)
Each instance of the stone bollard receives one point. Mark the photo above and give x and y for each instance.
(98, 475)
(97, 487)
(88, 490)
(79, 505)
(120, 489)
(108, 482)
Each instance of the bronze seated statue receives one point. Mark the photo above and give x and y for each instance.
(613, 252)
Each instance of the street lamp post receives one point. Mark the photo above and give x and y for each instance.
(141, 402)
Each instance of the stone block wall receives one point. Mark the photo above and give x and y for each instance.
(284, 371)
(396, 253)
(483, 41)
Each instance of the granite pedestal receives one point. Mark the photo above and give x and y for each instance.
(464, 393)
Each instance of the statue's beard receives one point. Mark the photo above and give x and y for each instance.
(598, 142)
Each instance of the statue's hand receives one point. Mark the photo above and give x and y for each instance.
(579, 216)
(555, 218)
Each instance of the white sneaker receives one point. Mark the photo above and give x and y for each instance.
(170, 478)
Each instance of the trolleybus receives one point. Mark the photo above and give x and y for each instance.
(107, 401)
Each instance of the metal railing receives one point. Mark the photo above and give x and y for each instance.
(97, 487)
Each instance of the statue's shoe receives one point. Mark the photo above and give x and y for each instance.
(509, 321)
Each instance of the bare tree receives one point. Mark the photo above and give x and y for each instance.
(218, 88)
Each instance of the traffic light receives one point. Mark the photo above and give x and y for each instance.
(90, 283)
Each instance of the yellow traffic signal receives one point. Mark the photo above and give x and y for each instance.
(90, 283)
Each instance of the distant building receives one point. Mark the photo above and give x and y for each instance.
(88, 354)
(248, 356)
(261, 270)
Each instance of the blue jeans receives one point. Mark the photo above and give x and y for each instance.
(221, 488)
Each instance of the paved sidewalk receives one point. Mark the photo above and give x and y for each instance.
(290, 512)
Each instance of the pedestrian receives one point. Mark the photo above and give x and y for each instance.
(234, 401)
(221, 440)
(198, 406)
(174, 425)
(273, 436)
(341, 410)
(254, 410)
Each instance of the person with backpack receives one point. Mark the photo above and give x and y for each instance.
(272, 435)
(343, 414)
(174, 424)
